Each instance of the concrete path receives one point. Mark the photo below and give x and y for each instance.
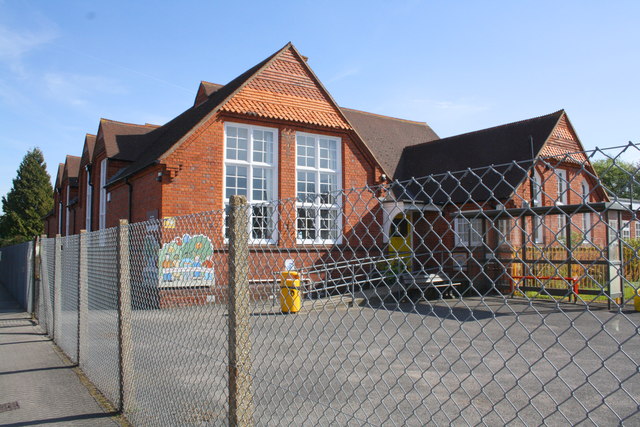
(37, 385)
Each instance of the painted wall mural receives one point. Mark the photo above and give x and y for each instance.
(186, 261)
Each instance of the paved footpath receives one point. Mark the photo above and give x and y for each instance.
(37, 385)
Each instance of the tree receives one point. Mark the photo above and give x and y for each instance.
(28, 201)
(618, 177)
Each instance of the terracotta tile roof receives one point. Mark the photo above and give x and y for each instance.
(500, 145)
(265, 91)
(285, 90)
(161, 141)
(387, 136)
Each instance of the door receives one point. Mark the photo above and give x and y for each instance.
(400, 240)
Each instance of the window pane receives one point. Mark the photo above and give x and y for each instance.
(538, 230)
(263, 146)
(227, 210)
(476, 232)
(262, 222)
(537, 189)
(504, 228)
(461, 228)
(562, 227)
(328, 224)
(237, 143)
(328, 154)
(562, 186)
(306, 187)
(306, 151)
(306, 224)
(262, 185)
(328, 188)
(236, 181)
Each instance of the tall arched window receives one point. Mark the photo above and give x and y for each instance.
(563, 185)
(586, 217)
(538, 228)
(536, 196)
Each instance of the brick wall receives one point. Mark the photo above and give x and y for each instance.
(194, 180)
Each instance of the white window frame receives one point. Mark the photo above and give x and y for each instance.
(563, 185)
(102, 219)
(538, 229)
(613, 232)
(626, 231)
(637, 226)
(504, 231)
(586, 217)
(537, 190)
(66, 226)
(59, 217)
(317, 206)
(562, 226)
(466, 232)
(88, 203)
(250, 165)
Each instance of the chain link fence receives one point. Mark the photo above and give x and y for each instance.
(490, 296)
(68, 315)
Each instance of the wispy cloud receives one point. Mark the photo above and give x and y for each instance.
(15, 45)
(78, 90)
(344, 74)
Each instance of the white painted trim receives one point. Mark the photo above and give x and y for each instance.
(250, 164)
(317, 170)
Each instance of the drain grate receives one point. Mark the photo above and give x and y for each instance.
(11, 406)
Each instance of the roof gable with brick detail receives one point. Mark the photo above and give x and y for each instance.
(490, 163)
(281, 87)
(563, 144)
(286, 89)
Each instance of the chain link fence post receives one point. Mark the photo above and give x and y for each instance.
(83, 293)
(57, 284)
(240, 394)
(125, 360)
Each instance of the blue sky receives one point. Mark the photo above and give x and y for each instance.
(459, 66)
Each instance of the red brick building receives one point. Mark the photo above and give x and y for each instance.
(275, 133)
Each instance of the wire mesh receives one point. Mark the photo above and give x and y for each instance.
(496, 295)
(100, 361)
(47, 284)
(68, 320)
(179, 321)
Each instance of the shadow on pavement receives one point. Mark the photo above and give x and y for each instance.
(460, 314)
(26, 342)
(64, 419)
(51, 368)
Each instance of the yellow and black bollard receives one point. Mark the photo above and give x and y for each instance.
(290, 295)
